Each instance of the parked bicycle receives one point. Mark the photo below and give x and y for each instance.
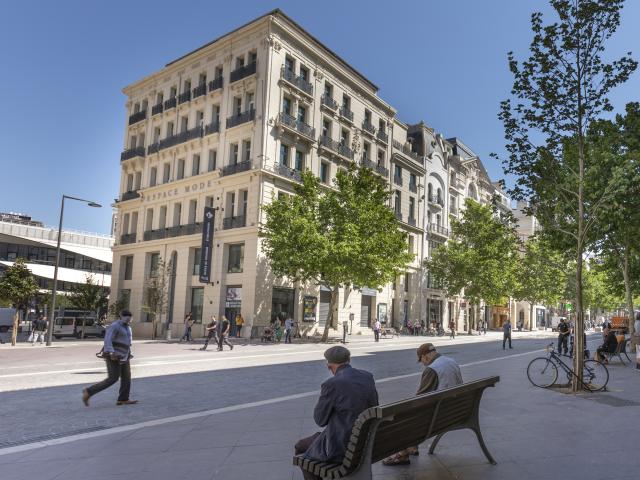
(543, 372)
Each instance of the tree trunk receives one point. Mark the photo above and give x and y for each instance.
(332, 305)
(578, 350)
(629, 294)
(16, 324)
(531, 317)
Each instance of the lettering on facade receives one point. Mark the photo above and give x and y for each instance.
(176, 192)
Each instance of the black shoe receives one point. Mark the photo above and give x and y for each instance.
(231, 347)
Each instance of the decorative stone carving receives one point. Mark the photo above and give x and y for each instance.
(355, 142)
(318, 74)
(273, 41)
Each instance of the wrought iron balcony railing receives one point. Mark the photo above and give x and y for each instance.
(137, 117)
(236, 168)
(297, 81)
(131, 153)
(243, 117)
(242, 72)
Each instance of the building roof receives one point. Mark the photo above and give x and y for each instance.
(64, 274)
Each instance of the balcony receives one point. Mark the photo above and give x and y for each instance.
(329, 102)
(200, 90)
(130, 195)
(236, 168)
(298, 126)
(435, 200)
(244, 117)
(171, 103)
(127, 238)
(407, 151)
(153, 148)
(171, 232)
(413, 187)
(213, 127)
(132, 153)
(297, 81)
(157, 109)
(137, 117)
(436, 229)
(182, 137)
(382, 136)
(346, 113)
(234, 222)
(184, 97)
(375, 167)
(368, 127)
(242, 72)
(215, 84)
(397, 179)
(284, 171)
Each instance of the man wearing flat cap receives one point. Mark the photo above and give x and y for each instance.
(441, 372)
(342, 398)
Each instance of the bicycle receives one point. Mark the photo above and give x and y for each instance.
(543, 372)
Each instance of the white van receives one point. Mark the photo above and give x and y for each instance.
(76, 326)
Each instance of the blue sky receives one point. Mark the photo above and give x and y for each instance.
(64, 63)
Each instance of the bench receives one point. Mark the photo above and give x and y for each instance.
(621, 348)
(385, 332)
(384, 430)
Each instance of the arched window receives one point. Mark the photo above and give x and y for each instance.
(430, 190)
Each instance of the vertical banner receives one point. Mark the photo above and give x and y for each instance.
(207, 244)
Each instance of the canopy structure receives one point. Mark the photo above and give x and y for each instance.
(65, 274)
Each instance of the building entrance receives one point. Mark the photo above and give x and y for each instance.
(282, 304)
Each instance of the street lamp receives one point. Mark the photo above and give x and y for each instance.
(55, 271)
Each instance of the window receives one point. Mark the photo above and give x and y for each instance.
(346, 102)
(381, 158)
(236, 258)
(299, 163)
(326, 128)
(367, 117)
(430, 191)
(344, 137)
(162, 221)
(208, 202)
(439, 195)
(231, 204)
(215, 114)
(244, 196)
(239, 62)
(219, 72)
(193, 207)
(398, 204)
(199, 118)
(302, 113)
(130, 182)
(412, 208)
(233, 155)
(202, 79)
(304, 73)
(159, 98)
(177, 213)
(154, 262)
(249, 101)
(286, 105)
(197, 297)
(173, 91)
(195, 165)
(133, 141)
(196, 261)
(412, 181)
(136, 108)
(169, 129)
(180, 172)
(186, 86)
(382, 126)
(366, 151)
(397, 171)
(289, 64)
(125, 224)
(213, 159)
(149, 225)
(237, 105)
(153, 176)
(184, 124)
(166, 173)
(69, 262)
(156, 134)
(253, 57)
(324, 172)
(411, 244)
(128, 267)
(284, 155)
(328, 90)
(246, 150)
(138, 181)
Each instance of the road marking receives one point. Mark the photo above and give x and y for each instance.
(206, 413)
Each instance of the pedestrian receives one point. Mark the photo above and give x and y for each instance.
(452, 330)
(609, 345)
(342, 398)
(520, 325)
(376, 329)
(223, 332)
(345, 330)
(212, 333)
(288, 325)
(506, 333)
(239, 325)
(117, 355)
(39, 327)
(543, 323)
(440, 372)
(188, 323)
(277, 328)
(563, 337)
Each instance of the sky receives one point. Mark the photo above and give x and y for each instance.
(63, 65)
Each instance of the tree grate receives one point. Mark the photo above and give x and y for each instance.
(51, 436)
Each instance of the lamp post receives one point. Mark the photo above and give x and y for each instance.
(55, 271)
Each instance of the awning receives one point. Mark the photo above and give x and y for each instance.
(65, 274)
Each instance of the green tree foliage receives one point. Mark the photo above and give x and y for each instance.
(89, 296)
(481, 256)
(558, 92)
(598, 292)
(542, 274)
(156, 293)
(18, 286)
(336, 237)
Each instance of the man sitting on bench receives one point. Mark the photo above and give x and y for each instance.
(342, 398)
(609, 346)
(441, 372)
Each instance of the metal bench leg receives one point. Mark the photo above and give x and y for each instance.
(483, 446)
(434, 444)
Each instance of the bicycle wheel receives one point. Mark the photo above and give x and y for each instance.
(595, 375)
(542, 372)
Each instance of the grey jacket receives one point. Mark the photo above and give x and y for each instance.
(342, 398)
(117, 339)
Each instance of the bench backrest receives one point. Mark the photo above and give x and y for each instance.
(410, 422)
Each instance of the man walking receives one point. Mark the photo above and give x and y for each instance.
(342, 398)
(452, 330)
(188, 324)
(116, 354)
(39, 327)
(376, 330)
(288, 325)
(506, 333)
(345, 330)
(563, 337)
(223, 332)
(440, 372)
(211, 332)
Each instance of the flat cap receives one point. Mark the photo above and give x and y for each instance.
(424, 349)
(337, 354)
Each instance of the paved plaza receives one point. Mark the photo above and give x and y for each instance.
(236, 415)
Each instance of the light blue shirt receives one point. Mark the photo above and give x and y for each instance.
(118, 333)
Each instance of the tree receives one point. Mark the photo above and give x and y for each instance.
(156, 293)
(116, 307)
(18, 286)
(336, 237)
(542, 274)
(558, 92)
(480, 257)
(89, 296)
